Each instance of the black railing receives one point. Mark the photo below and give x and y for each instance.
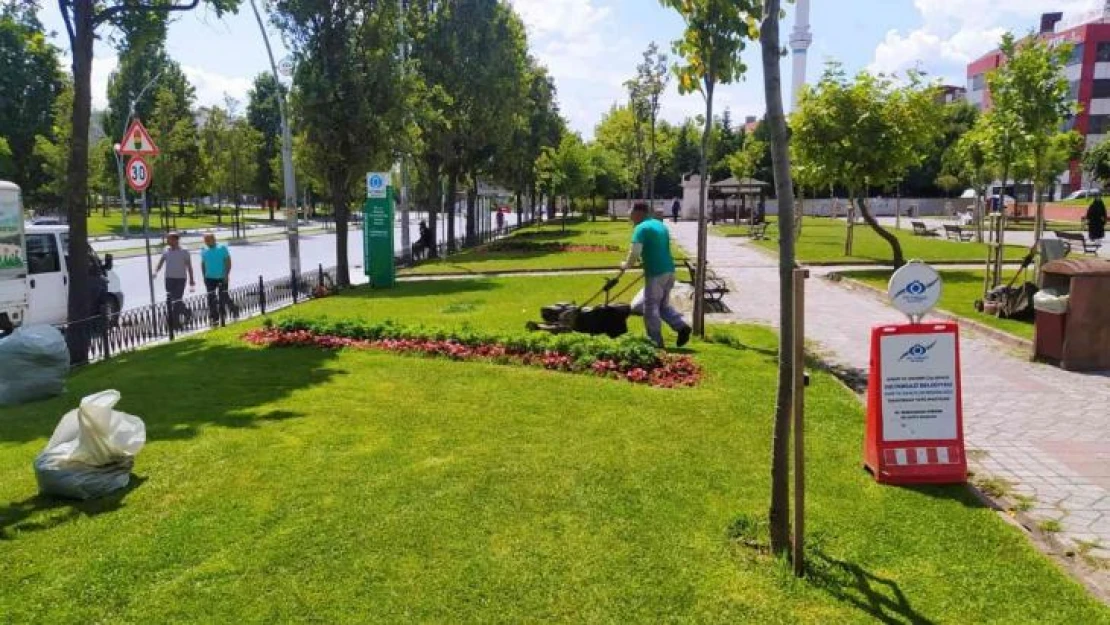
(103, 336)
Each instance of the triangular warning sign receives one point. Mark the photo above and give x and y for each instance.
(137, 141)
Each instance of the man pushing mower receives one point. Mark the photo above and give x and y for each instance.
(651, 243)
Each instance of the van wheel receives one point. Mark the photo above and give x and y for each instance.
(110, 310)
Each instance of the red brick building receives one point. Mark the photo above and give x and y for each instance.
(1088, 74)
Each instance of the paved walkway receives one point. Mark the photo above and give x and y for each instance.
(1041, 429)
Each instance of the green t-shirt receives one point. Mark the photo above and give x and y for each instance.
(652, 234)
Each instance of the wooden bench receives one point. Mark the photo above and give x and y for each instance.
(758, 231)
(921, 230)
(1072, 238)
(715, 287)
(956, 233)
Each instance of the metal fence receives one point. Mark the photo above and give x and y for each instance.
(103, 336)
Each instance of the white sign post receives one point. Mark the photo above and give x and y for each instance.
(915, 289)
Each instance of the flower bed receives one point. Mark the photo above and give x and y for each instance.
(629, 358)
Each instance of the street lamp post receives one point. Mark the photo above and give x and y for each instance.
(286, 157)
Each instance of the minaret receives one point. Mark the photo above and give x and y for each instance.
(800, 39)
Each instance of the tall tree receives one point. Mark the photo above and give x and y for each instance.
(83, 18)
(615, 134)
(716, 32)
(347, 79)
(51, 150)
(864, 132)
(174, 129)
(567, 171)
(776, 122)
(29, 85)
(644, 92)
(1031, 92)
(264, 115)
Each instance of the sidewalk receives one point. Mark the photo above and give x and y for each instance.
(1043, 430)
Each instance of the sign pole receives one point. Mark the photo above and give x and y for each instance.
(800, 276)
(146, 235)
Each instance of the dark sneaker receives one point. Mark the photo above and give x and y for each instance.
(684, 336)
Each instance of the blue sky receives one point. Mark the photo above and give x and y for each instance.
(592, 46)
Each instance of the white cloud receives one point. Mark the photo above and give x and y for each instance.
(954, 33)
(212, 87)
(103, 66)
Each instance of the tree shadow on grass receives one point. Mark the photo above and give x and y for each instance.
(880, 598)
(41, 512)
(181, 388)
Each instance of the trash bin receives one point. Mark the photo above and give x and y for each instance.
(1050, 308)
(1079, 337)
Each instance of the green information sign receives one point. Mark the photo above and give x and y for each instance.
(377, 240)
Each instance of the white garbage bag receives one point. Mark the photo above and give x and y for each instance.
(1050, 301)
(92, 450)
(34, 362)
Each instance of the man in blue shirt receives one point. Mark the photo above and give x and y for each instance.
(651, 242)
(215, 265)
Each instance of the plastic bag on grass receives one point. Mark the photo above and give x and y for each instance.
(34, 362)
(92, 450)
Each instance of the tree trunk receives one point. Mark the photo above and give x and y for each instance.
(1038, 227)
(449, 208)
(703, 229)
(341, 213)
(779, 512)
(850, 215)
(472, 211)
(77, 181)
(270, 205)
(895, 244)
(996, 274)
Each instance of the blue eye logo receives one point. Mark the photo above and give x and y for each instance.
(918, 352)
(916, 289)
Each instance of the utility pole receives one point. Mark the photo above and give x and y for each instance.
(286, 157)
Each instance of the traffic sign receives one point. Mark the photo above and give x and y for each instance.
(285, 66)
(139, 174)
(137, 141)
(376, 184)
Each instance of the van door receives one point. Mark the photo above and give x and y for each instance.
(47, 286)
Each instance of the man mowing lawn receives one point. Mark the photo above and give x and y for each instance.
(651, 241)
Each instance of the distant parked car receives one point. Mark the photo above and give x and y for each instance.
(47, 221)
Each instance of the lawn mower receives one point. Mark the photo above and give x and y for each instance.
(610, 319)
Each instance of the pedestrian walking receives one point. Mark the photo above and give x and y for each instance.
(500, 220)
(1096, 219)
(179, 270)
(215, 265)
(676, 208)
(651, 244)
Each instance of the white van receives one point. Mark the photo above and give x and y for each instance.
(34, 270)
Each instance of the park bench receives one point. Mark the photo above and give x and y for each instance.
(715, 287)
(1071, 238)
(758, 231)
(921, 230)
(956, 233)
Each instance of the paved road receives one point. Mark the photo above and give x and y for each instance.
(1043, 430)
(249, 260)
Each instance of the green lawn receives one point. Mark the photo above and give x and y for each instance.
(100, 225)
(961, 289)
(580, 233)
(822, 241)
(300, 485)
